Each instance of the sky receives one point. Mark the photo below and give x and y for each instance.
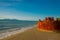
(29, 9)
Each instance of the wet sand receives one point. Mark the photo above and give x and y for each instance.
(34, 34)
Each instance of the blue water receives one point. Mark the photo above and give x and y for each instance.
(10, 27)
(6, 24)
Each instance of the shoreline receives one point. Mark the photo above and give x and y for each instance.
(8, 34)
(34, 34)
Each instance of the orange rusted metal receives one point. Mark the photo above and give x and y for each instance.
(49, 24)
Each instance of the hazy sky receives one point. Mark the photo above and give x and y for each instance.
(29, 9)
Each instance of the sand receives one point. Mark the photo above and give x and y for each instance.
(34, 34)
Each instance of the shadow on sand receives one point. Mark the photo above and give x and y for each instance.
(57, 31)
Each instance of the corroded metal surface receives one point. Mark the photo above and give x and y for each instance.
(49, 24)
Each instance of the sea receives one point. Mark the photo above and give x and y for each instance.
(10, 27)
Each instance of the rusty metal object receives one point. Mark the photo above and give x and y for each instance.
(49, 24)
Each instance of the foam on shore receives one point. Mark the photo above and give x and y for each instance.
(13, 32)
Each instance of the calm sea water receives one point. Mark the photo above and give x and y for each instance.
(6, 24)
(10, 27)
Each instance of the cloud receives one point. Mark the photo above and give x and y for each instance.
(9, 0)
(4, 4)
(7, 3)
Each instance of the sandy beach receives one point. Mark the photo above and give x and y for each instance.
(34, 34)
